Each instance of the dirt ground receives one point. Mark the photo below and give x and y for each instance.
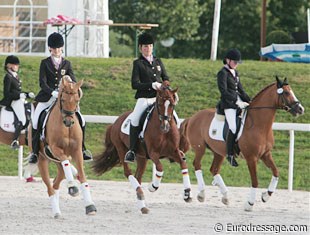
(25, 209)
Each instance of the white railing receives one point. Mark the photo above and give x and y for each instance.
(291, 127)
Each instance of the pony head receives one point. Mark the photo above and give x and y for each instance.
(69, 98)
(287, 98)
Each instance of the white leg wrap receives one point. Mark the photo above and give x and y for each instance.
(66, 165)
(220, 183)
(141, 204)
(252, 195)
(157, 178)
(134, 182)
(186, 180)
(86, 194)
(74, 170)
(273, 184)
(54, 201)
(200, 180)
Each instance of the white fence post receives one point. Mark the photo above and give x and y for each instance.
(20, 162)
(291, 161)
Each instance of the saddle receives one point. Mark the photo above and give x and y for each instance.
(219, 125)
(8, 118)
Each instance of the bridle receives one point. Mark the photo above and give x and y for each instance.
(168, 116)
(67, 113)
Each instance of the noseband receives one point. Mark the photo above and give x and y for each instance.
(67, 113)
(288, 107)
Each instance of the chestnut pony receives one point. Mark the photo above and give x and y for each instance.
(63, 142)
(161, 139)
(255, 143)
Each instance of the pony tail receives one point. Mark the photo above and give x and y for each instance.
(184, 143)
(105, 161)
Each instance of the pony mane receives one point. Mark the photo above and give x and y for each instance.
(270, 85)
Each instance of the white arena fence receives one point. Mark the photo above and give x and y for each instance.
(291, 127)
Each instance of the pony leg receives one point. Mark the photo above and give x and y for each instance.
(269, 162)
(187, 186)
(140, 195)
(252, 165)
(73, 190)
(88, 202)
(157, 176)
(201, 186)
(199, 152)
(54, 201)
(217, 178)
(156, 180)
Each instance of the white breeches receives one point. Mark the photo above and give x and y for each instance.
(19, 110)
(141, 105)
(230, 115)
(40, 107)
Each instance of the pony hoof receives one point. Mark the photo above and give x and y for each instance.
(57, 216)
(265, 196)
(152, 188)
(91, 210)
(187, 195)
(248, 206)
(225, 201)
(73, 191)
(145, 210)
(201, 196)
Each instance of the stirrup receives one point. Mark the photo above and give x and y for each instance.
(15, 144)
(87, 155)
(130, 157)
(231, 159)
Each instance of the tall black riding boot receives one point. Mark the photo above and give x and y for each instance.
(18, 129)
(35, 146)
(230, 140)
(87, 155)
(133, 139)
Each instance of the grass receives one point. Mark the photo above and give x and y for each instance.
(107, 91)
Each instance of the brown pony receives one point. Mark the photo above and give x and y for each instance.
(63, 142)
(255, 143)
(161, 139)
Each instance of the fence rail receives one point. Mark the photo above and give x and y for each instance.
(291, 127)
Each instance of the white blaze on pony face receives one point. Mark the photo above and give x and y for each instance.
(302, 109)
(166, 104)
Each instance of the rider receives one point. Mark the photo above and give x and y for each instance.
(147, 74)
(233, 97)
(13, 96)
(52, 69)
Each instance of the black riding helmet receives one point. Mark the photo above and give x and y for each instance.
(55, 40)
(145, 39)
(233, 54)
(11, 59)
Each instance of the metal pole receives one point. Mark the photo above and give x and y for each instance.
(291, 161)
(308, 14)
(215, 30)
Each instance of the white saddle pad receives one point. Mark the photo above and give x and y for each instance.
(7, 120)
(217, 126)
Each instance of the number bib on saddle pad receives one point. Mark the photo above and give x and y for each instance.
(7, 118)
(216, 129)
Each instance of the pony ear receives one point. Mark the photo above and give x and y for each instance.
(80, 83)
(285, 82)
(175, 90)
(279, 82)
